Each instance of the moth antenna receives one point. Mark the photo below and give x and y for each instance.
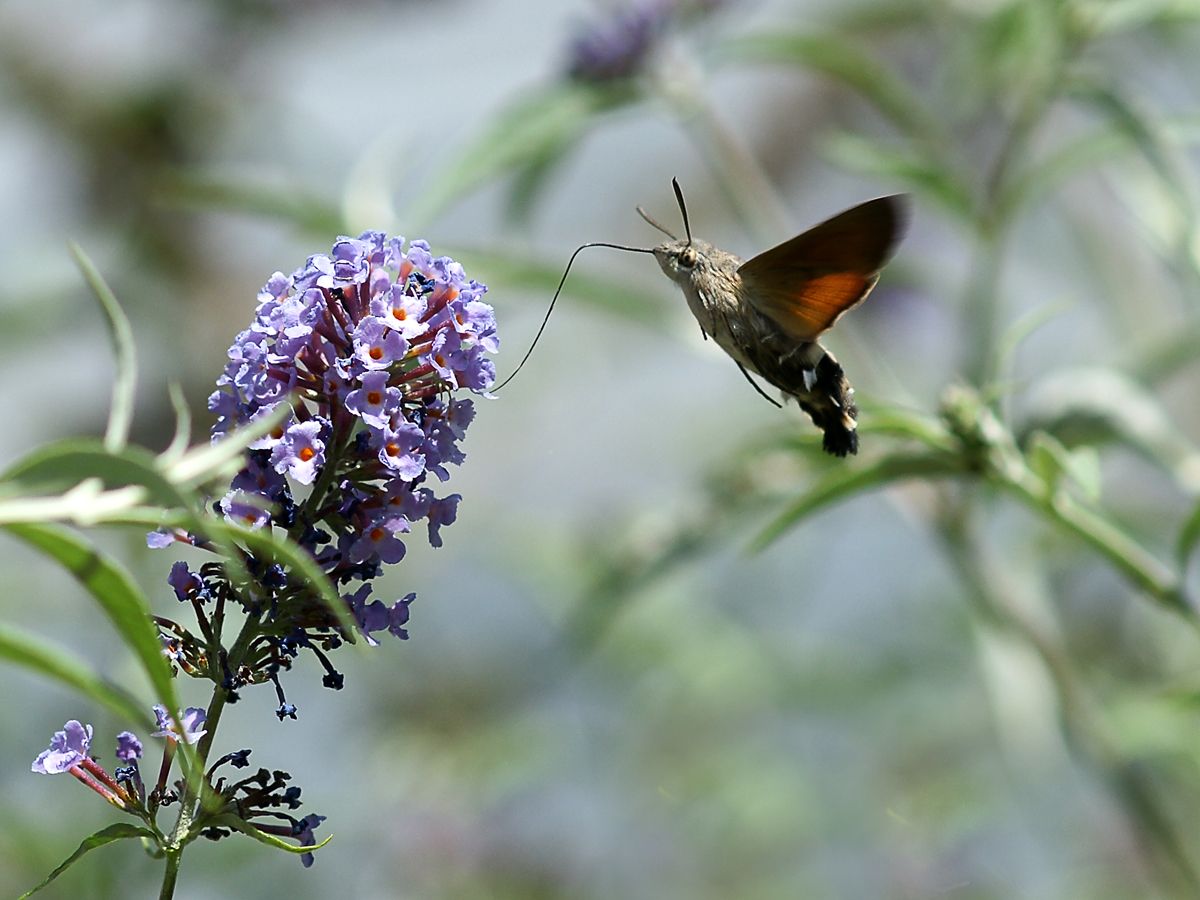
(682, 208)
(554, 300)
(649, 221)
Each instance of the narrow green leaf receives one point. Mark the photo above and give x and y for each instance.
(207, 462)
(117, 832)
(222, 191)
(839, 59)
(60, 665)
(229, 820)
(511, 273)
(116, 593)
(1189, 535)
(914, 170)
(57, 467)
(124, 352)
(535, 129)
(1147, 136)
(844, 483)
(183, 424)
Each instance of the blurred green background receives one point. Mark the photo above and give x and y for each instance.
(932, 687)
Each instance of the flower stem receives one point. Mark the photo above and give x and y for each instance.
(170, 874)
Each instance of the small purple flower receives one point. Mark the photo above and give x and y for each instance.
(68, 748)
(301, 453)
(187, 584)
(442, 512)
(245, 509)
(304, 832)
(376, 346)
(157, 540)
(129, 747)
(374, 402)
(400, 450)
(401, 311)
(378, 541)
(191, 719)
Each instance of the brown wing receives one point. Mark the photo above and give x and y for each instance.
(806, 283)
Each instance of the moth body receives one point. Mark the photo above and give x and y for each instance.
(805, 371)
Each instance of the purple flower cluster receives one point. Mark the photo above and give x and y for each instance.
(367, 345)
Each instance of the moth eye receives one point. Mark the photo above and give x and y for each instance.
(687, 257)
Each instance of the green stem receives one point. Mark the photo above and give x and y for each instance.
(170, 874)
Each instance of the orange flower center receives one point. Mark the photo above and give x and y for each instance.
(306, 454)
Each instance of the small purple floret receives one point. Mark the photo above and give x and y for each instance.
(68, 748)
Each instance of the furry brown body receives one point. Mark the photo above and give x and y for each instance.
(804, 370)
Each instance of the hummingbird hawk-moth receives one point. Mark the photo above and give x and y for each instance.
(768, 312)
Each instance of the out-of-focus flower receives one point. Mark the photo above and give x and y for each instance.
(68, 748)
(619, 46)
(190, 719)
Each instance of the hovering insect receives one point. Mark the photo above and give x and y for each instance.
(767, 313)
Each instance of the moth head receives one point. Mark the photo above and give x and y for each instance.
(680, 259)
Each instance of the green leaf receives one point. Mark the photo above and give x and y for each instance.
(1044, 178)
(916, 171)
(117, 832)
(845, 483)
(1147, 136)
(57, 467)
(837, 58)
(1115, 16)
(1051, 461)
(60, 665)
(534, 130)
(201, 190)
(514, 274)
(116, 593)
(1189, 535)
(229, 820)
(125, 379)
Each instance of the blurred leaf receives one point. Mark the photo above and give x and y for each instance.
(1090, 404)
(896, 422)
(1025, 326)
(615, 295)
(1145, 134)
(529, 185)
(845, 483)
(115, 591)
(535, 130)
(57, 467)
(1114, 16)
(200, 190)
(60, 665)
(1018, 46)
(1051, 461)
(838, 59)
(889, 163)
(183, 424)
(125, 380)
(115, 832)
(1043, 178)
(1189, 534)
